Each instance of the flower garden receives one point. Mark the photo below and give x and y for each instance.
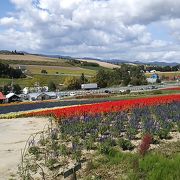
(97, 134)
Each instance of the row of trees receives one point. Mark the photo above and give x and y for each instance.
(74, 83)
(11, 88)
(16, 88)
(163, 68)
(7, 71)
(121, 76)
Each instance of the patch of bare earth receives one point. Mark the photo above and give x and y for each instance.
(13, 136)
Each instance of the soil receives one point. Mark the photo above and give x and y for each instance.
(13, 136)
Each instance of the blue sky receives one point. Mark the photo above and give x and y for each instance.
(5, 7)
(114, 29)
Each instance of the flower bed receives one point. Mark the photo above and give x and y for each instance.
(105, 107)
(104, 127)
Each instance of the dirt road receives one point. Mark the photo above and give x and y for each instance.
(13, 136)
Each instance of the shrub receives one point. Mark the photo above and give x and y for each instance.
(145, 144)
(106, 146)
(126, 144)
(157, 92)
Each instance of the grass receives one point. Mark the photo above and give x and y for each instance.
(155, 165)
(61, 70)
(28, 81)
(33, 62)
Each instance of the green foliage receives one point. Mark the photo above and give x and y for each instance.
(51, 86)
(16, 89)
(125, 144)
(157, 92)
(121, 76)
(8, 72)
(106, 146)
(43, 71)
(83, 79)
(102, 78)
(89, 143)
(72, 83)
(155, 166)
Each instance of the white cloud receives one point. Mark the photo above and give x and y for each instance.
(8, 21)
(103, 28)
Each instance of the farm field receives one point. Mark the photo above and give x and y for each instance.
(28, 81)
(167, 74)
(28, 58)
(108, 140)
(103, 64)
(59, 70)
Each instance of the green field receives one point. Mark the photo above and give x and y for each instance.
(29, 81)
(56, 70)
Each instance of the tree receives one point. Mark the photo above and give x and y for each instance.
(51, 86)
(102, 78)
(38, 81)
(6, 89)
(17, 89)
(72, 83)
(43, 71)
(83, 79)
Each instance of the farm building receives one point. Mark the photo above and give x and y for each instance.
(2, 98)
(41, 96)
(53, 95)
(12, 97)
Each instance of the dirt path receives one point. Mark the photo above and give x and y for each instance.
(13, 136)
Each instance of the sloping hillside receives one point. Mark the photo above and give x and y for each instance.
(103, 64)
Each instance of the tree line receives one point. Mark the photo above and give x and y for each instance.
(125, 75)
(7, 71)
(163, 68)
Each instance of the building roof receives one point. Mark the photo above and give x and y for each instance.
(34, 95)
(11, 95)
(2, 97)
(51, 93)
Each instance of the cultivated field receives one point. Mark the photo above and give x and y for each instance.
(103, 64)
(27, 58)
(166, 74)
(135, 139)
(59, 70)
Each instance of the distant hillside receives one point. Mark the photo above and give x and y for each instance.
(101, 63)
(156, 63)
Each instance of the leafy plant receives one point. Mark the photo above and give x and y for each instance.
(126, 144)
(145, 144)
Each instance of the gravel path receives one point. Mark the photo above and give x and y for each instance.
(13, 136)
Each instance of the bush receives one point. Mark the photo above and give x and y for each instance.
(157, 92)
(106, 146)
(126, 144)
(145, 144)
